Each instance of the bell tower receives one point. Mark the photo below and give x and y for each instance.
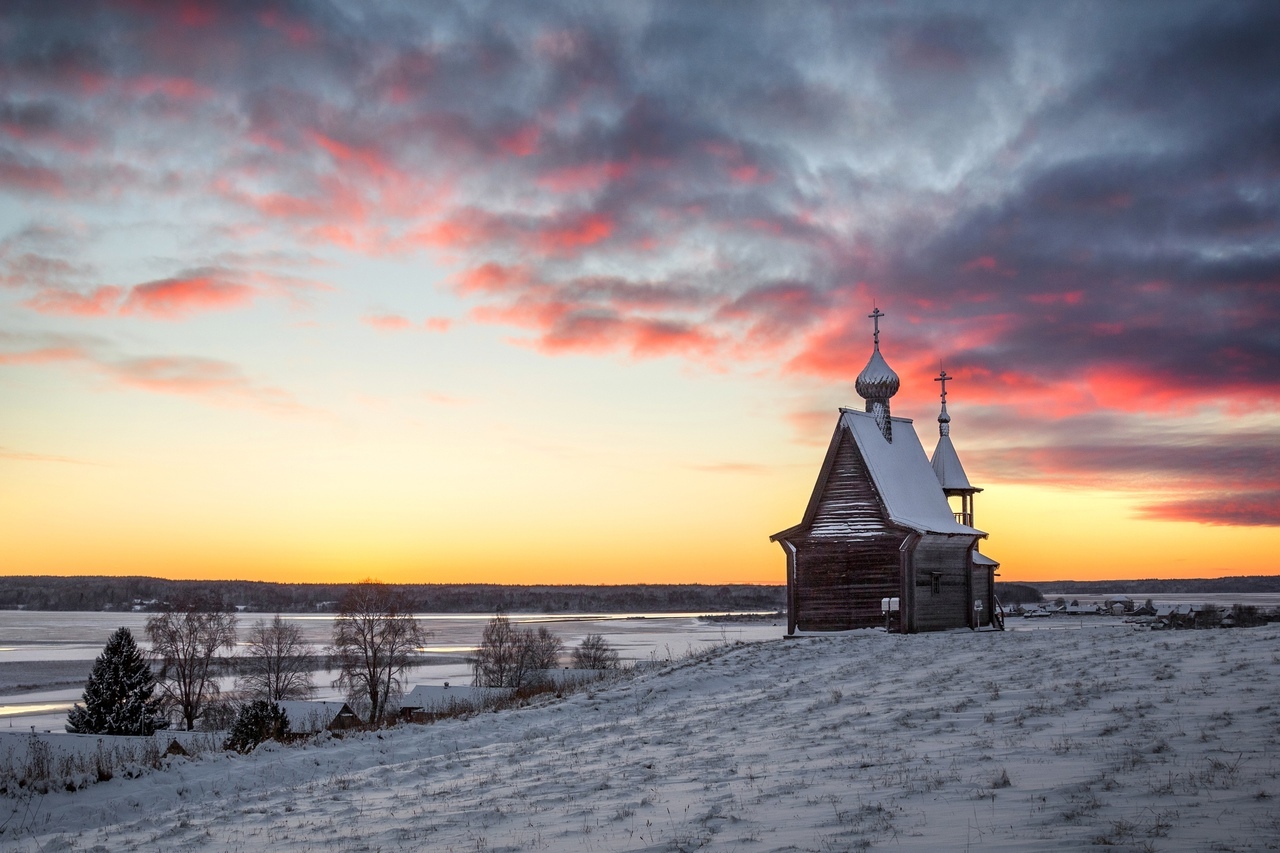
(946, 462)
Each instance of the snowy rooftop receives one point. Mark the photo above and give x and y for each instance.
(307, 716)
(947, 467)
(902, 475)
(434, 696)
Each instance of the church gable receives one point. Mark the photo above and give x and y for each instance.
(847, 505)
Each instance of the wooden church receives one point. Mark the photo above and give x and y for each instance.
(880, 543)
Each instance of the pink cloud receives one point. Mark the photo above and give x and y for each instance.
(1074, 297)
(583, 177)
(177, 88)
(522, 142)
(97, 303)
(573, 233)
(437, 324)
(44, 355)
(173, 298)
(30, 177)
(492, 278)
(387, 322)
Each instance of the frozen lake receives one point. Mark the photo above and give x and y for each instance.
(45, 656)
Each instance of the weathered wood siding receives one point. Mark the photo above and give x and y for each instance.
(849, 508)
(847, 560)
(839, 588)
(948, 606)
(982, 591)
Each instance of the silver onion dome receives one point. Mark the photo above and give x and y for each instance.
(877, 381)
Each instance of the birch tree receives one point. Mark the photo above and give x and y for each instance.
(375, 640)
(276, 663)
(186, 641)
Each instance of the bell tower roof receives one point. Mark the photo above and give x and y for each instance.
(946, 462)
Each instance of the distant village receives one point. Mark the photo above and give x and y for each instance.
(1155, 616)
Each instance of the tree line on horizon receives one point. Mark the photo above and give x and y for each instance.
(153, 594)
(100, 593)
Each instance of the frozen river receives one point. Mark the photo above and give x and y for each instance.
(45, 656)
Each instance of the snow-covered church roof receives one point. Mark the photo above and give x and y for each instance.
(947, 467)
(946, 462)
(902, 475)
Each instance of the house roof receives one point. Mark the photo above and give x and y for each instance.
(981, 559)
(901, 473)
(308, 716)
(947, 467)
(430, 696)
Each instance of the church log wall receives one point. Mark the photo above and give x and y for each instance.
(942, 592)
(838, 588)
(848, 559)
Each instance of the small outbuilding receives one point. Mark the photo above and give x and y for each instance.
(307, 717)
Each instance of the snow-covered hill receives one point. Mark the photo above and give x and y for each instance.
(1041, 740)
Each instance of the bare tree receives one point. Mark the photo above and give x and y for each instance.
(186, 641)
(595, 653)
(497, 660)
(543, 649)
(375, 639)
(513, 657)
(276, 664)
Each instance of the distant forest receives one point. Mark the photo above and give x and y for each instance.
(1244, 584)
(124, 593)
(112, 593)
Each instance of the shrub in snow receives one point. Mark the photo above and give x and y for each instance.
(257, 721)
(117, 697)
(595, 653)
(512, 657)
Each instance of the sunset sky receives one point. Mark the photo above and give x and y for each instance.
(564, 293)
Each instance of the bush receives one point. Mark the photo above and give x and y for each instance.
(595, 653)
(514, 657)
(257, 721)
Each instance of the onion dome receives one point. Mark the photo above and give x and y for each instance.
(877, 381)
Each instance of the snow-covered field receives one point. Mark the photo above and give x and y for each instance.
(1022, 741)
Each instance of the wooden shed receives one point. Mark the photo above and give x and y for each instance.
(878, 527)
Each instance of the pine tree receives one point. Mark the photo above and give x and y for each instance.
(117, 698)
(257, 721)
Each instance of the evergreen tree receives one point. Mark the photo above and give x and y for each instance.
(117, 698)
(257, 721)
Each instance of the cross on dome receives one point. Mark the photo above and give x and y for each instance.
(877, 382)
(875, 316)
(943, 418)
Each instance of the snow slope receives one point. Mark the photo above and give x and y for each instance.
(1042, 740)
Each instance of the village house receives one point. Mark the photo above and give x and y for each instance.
(879, 543)
(307, 717)
(425, 703)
